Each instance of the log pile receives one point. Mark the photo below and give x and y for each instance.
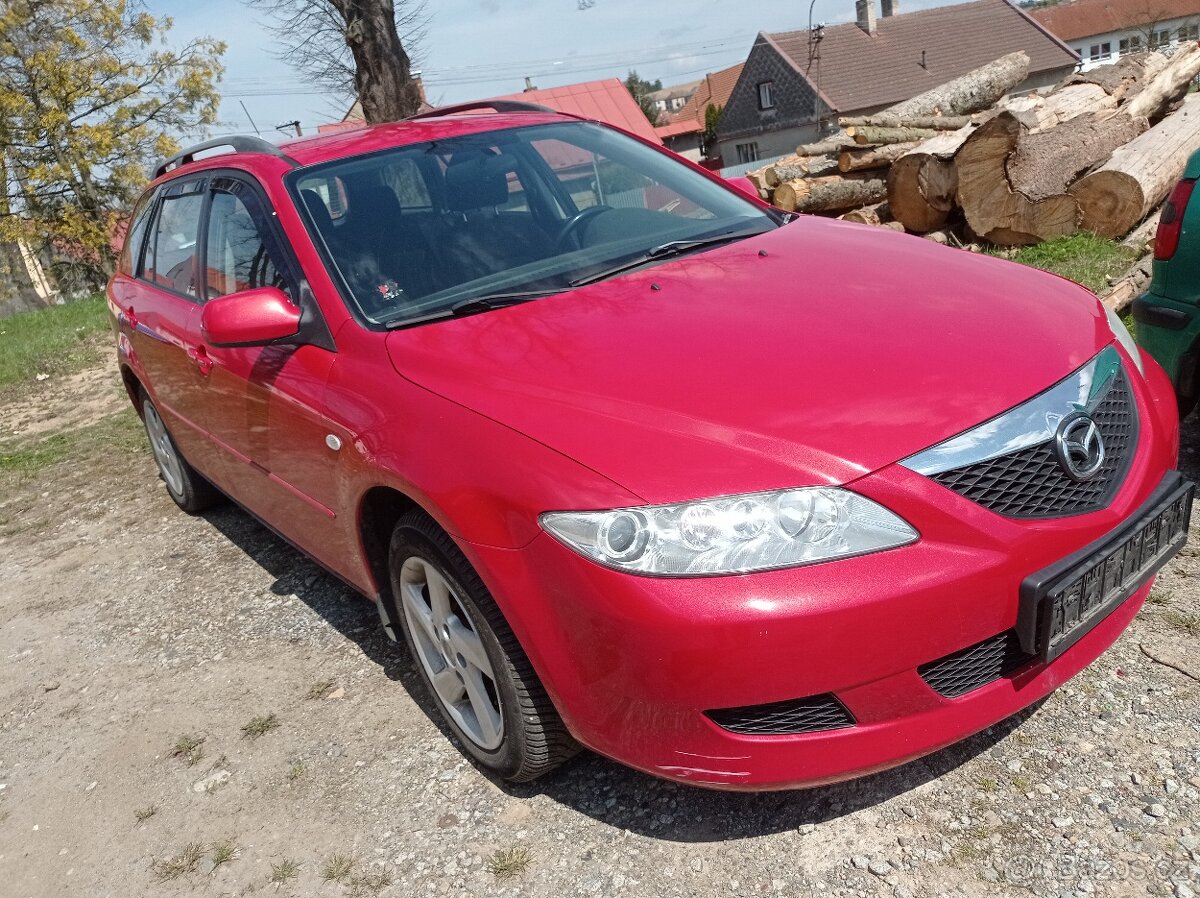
(1098, 152)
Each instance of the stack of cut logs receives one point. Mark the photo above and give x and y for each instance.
(1099, 152)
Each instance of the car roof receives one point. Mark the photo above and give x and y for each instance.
(306, 151)
(325, 147)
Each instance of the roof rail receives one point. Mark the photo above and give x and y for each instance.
(494, 105)
(240, 144)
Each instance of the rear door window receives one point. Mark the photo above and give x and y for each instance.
(171, 254)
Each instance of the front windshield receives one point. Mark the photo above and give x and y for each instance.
(416, 232)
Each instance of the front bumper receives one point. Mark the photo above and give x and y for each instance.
(633, 663)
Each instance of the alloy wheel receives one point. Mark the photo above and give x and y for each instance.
(451, 652)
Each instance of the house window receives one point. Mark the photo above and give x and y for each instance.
(1100, 51)
(747, 152)
(1160, 38)
(1131, 45)
(1189, 32)
(766, 99)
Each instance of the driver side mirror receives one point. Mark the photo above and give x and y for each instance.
(249, 318)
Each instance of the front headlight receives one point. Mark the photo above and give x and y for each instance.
(733, 534)
(1121, 332)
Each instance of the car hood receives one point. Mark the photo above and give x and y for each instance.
(813, 354)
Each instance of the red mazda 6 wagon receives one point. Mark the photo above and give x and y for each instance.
(632, 460)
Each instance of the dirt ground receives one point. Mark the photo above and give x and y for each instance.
(190, 707)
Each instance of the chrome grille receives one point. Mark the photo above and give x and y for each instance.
(1030, 483)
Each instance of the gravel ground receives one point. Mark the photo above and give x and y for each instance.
(313, 763)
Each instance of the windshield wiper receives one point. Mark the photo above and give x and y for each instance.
(662, 251)
(498, 301)
(470, 307)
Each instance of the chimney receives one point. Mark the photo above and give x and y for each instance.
(866, 15)
(529, 85)
(416, 77)
(890, 7)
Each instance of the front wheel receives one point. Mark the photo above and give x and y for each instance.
(480, 678)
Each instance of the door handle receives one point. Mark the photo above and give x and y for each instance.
(132, 317)
(200, 358)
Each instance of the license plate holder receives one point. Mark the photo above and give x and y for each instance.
(1060, 604)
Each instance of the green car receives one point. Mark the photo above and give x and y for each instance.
(1168, 314)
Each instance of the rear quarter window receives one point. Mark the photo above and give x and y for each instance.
(135, 233)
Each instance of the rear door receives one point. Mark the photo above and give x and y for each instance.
(161, 308)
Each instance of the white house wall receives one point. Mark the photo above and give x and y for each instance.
(1083, 45)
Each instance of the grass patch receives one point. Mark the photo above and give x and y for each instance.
(1159, 596)
(988, 784)
(320, 689)
(337, 868)
(1182, 621)
(295, 771)
(369, 883)
(53, 340)
(144, 814)
(189, 749)
(115, 436)
(181, 864)
(509, 862)
(1084, 258)
(223, 853)
(260, 726)
(285, 870)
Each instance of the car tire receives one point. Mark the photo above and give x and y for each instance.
(184, 484)
(480, 678)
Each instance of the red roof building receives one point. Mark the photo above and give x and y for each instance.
(606, 101)
(682, 132)
(1103, 30)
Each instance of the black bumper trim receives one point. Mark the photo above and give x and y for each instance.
(1159, 316)
(1033, 624)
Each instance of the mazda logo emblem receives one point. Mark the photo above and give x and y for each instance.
(1079, 446)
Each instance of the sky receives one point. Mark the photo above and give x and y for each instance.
(475, 49)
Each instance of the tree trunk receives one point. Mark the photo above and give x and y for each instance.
(1140, 174)
(921, 184)
(1126, 288)
(865, 134)
(382, 76)
(858, 159)
(832, 194)
(868, 215)
(889, 120)
(823, 148)
(879, 214)
(992, 208)
(792, 167)
(1168, 85)
(1047, 162)
(972, 92)
(1123, 78)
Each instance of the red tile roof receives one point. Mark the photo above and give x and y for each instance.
(1083, 18)
(915, 52)
(607, 101)
(713, 90)
(673, 129)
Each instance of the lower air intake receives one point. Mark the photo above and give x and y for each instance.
(814, 714)
(983, 663)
